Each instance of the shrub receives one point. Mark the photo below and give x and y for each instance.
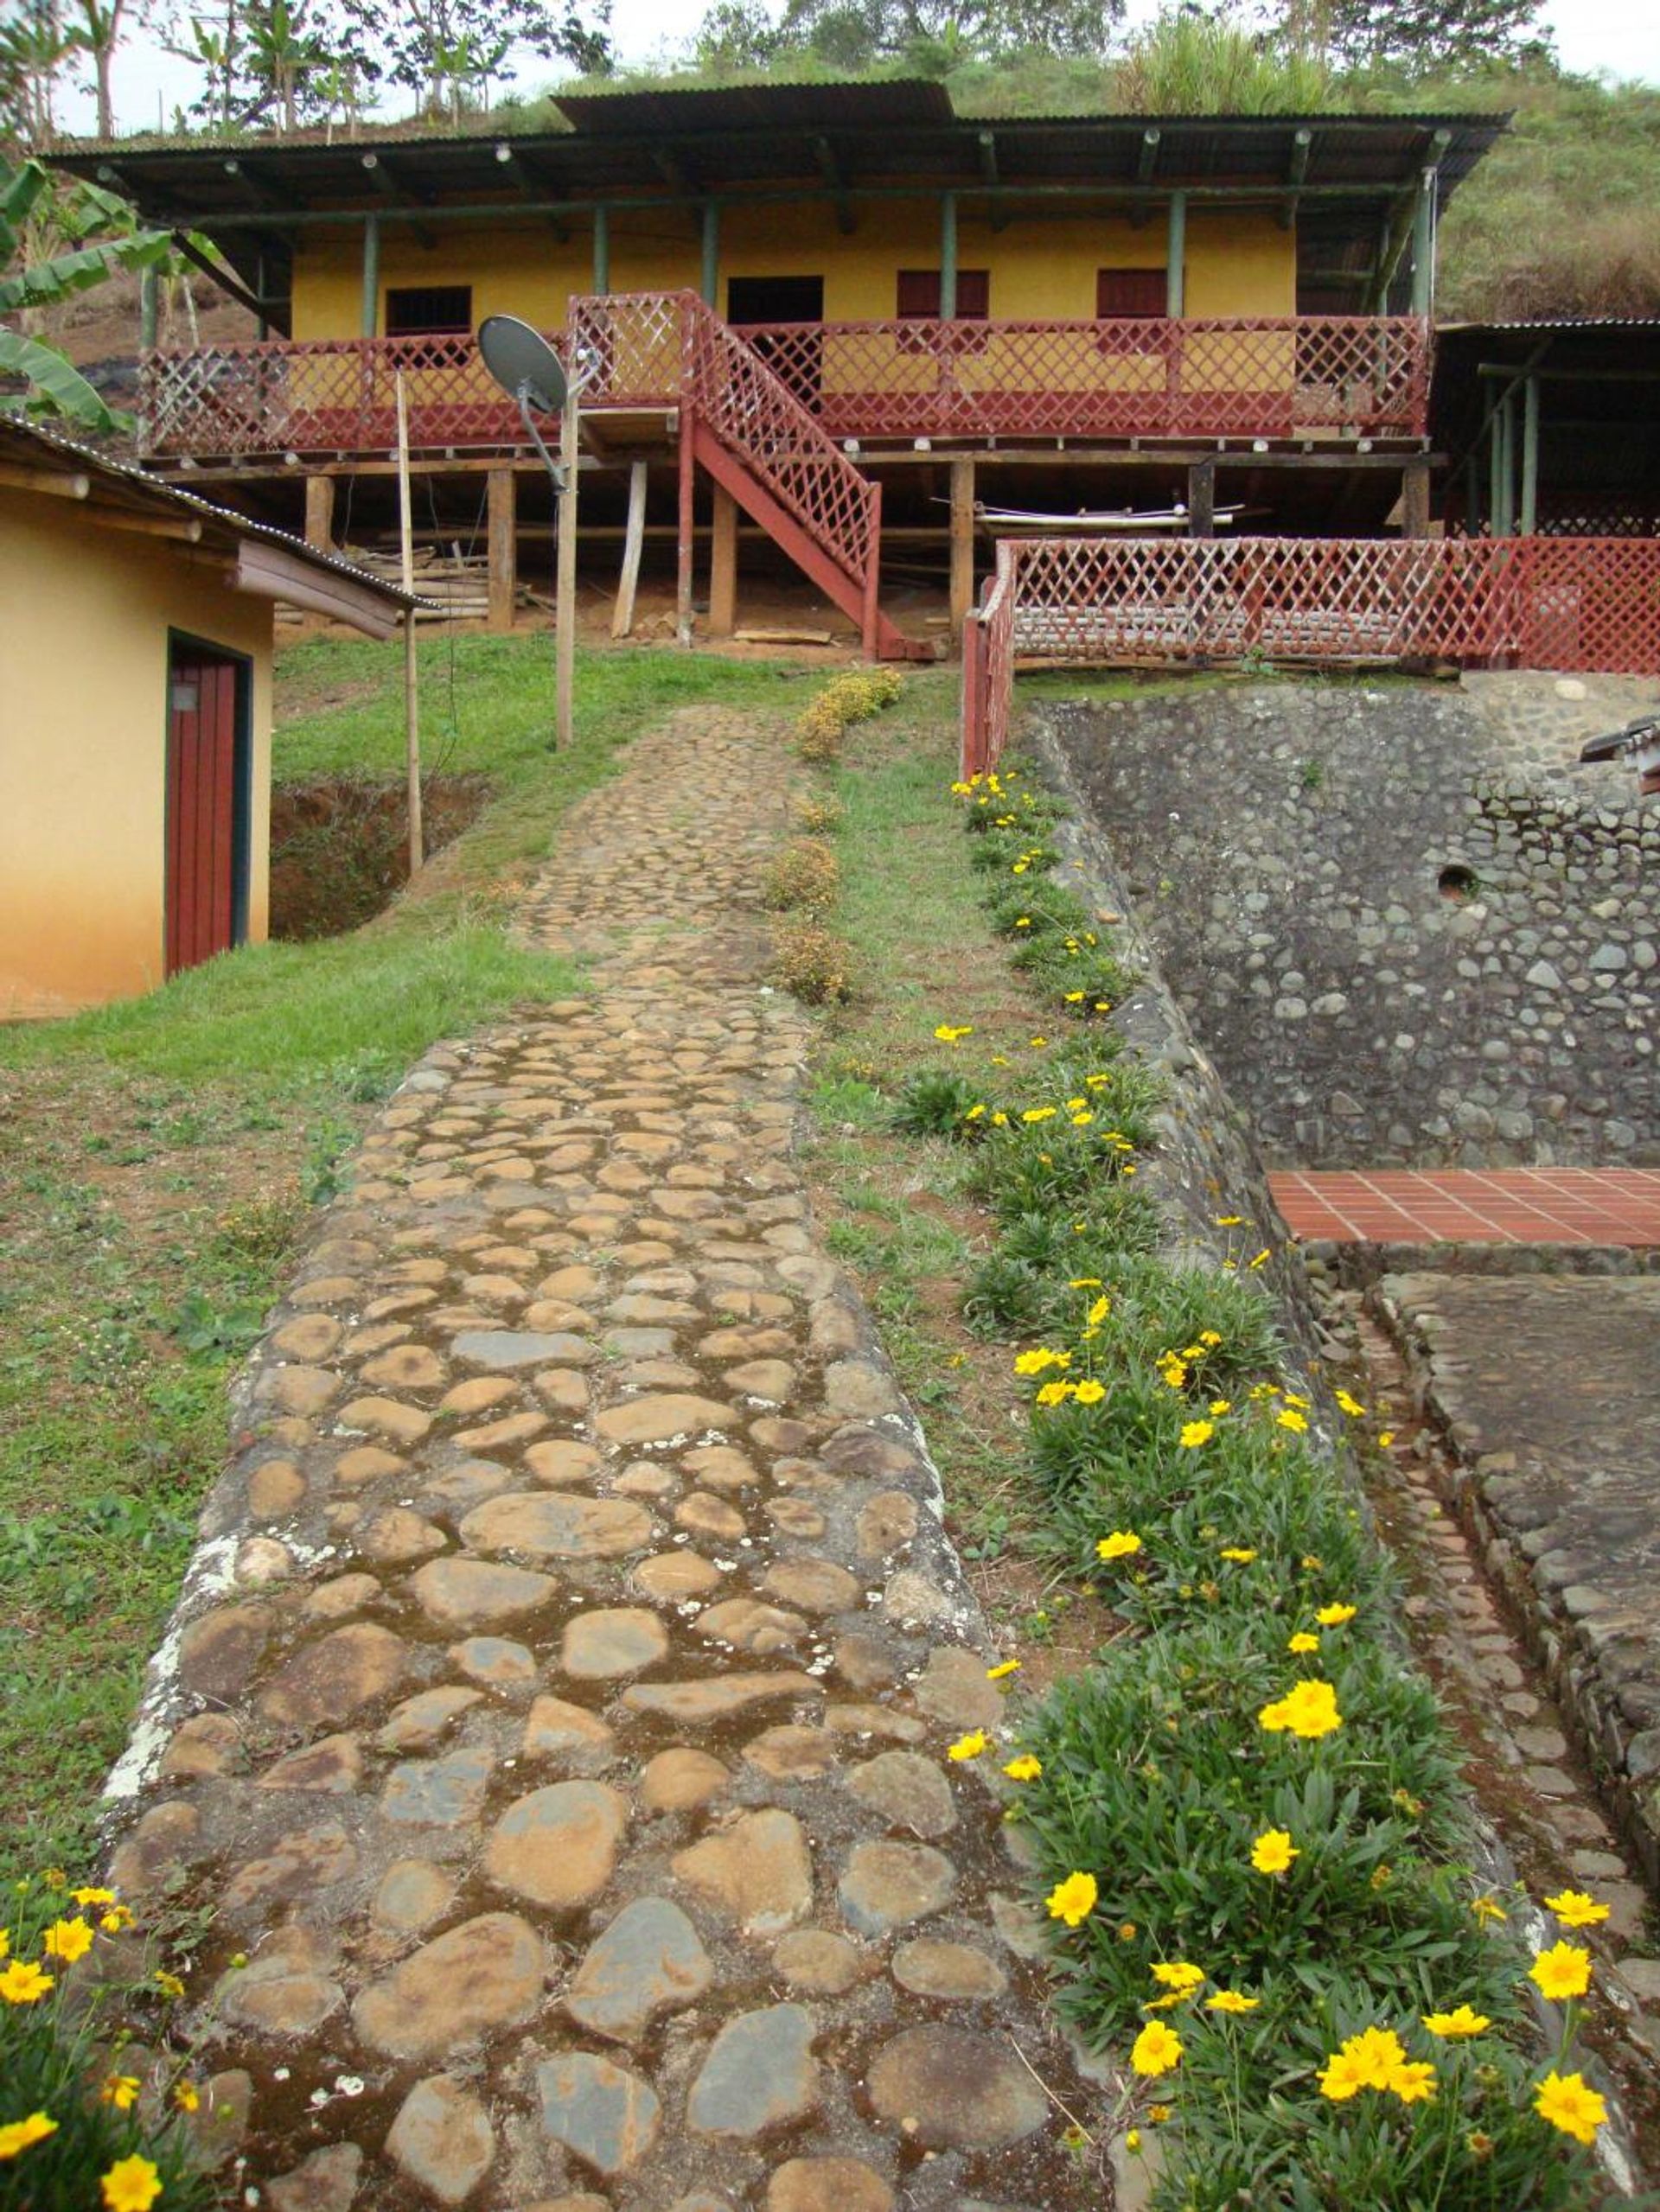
(934, 1103)
(854, 696)
(803, 873)
(816, 816)
(812, 962)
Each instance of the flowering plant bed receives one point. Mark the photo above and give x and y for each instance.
(1246, 1820)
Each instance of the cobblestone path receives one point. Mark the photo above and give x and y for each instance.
(559, 1718)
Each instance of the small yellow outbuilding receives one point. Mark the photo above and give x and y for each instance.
(136, 630)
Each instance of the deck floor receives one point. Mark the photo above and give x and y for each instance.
(1577, 1206)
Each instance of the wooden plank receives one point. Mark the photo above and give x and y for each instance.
(683, 570)
(963, 541)
(565, 576)
(1414, 500)
(722, 565)
(320, 512)
(623, 614)
(503, 547)
(1202, 500)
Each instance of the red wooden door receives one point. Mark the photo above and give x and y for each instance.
(201, 807)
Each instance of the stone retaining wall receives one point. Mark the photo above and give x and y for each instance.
(1405, 930)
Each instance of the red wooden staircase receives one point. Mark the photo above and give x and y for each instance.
(745, 428)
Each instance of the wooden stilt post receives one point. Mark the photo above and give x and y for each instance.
(963, 541)
(411, 688)
(1201, 499)
(320, 512)
(683, 574)
(503, 546)
(723, 566)
(868, 625)
(564, 584)
(632, 539)
(1414, 500)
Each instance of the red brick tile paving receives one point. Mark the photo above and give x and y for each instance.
(1587, 1206)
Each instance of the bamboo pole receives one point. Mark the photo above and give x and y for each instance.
(564, 586)
(633, 539)
(412, 700)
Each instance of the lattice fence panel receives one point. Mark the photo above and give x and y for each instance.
(1125, 378)
(326, 396)
(1589, 604)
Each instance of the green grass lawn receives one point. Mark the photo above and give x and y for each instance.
(158, 1160)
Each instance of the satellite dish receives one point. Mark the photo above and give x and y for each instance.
(522, 363)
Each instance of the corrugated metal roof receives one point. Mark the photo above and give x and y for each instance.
(1557, 322)
(890, 102)
(24, 439)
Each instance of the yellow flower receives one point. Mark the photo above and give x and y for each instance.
(95, 1897)
(1335, 1616)
(1084, 1283)
(1054, 1393)
(21, 1982)
(115, 1920)
(1385, 1438)
(1575, 1909)
(1229, 2000)
(1302, 1641)
(1210, 1338)
(1004, 1667)
(1177, 1974)
(1220, 1406)
(1414, 2081)
(1262, 1258)
(1310, 1709)
(1194, 1433)
(1242, 1554)
(1565, 2101)
(1038, 1113)
(1132, 2140)
(1098, 1312)
(1039, 1357)
(1090, 1393)
(17, 2135)
(1228, 1220)
(1159, 2113)
(187, 2096)
(1120, 1544)
(130, 2185)
(1563, 1970)
(1156, 2050)
(1368, 2060)
(1488, 1908)
(1450, 2026)
(1073, 1900)
(1349, 1406)
(120, 2090)
(1289, 1418)
(1024, 1768)
(67, 1940)
(1273, 1850)
(969, 1746)
(946, 1035)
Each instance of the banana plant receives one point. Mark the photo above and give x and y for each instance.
(51, 383)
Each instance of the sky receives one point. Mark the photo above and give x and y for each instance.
(1618, 37)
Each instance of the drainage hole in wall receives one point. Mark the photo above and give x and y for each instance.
(1457, 882)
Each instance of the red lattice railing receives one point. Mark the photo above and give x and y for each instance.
(1359, 375)
(1566, 604)
(641, 348)
(1365, 376)
(323, 395)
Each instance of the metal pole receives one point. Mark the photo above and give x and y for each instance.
(1530, 457)
(601, 249)
(411, 702)
(565, 588)
(371, 276)
(1176, 256)
(947, 256)
(1423, 245)
(710, 285)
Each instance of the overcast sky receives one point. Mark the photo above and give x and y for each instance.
(1621, 37)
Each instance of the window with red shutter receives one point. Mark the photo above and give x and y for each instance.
(918, 298)
(1138, 292)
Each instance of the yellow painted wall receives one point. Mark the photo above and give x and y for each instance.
(85, 612)
(1043, 265)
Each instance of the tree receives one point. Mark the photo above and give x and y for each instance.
(35, 47)
(1422, 36)
(736, 35)
(935, 36)
(31, 207)
(447, 51)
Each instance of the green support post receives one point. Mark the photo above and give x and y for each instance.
(710, 284)
(1530, 457)
(1176, 256)
(1504, 520)
(1423, 245)
(371, 276)
(601, 249)
(147, 315)
(947, 256)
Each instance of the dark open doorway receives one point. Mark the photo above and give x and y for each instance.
(798, 359)
(209, 790)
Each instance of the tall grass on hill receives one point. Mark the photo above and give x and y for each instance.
(1185, 63)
